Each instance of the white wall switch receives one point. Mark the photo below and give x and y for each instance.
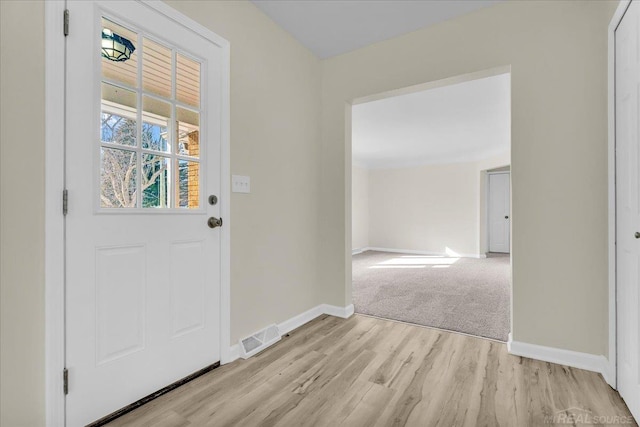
(240, 184)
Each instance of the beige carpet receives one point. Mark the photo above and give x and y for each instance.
(457, 294)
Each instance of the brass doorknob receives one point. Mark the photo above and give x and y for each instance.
(214, 222)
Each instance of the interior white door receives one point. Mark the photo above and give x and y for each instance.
(143, 143)
(499, 211)
(627, 95)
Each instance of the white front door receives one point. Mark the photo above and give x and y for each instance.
(499, 211)
(627, 81)
(143, 109)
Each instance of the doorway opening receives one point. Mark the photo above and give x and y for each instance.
(431, 205)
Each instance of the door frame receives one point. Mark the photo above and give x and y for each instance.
(54, 227)
(610, 372)
(488, 209)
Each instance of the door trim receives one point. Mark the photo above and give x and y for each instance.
(611, 372)
(54, 44)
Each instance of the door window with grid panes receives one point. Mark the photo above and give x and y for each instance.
(149, 126)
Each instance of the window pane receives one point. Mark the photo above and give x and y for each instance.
(155, 181)
(156, 70)
(114, 45)
(188, 81)
(188, 184)
(117, 178)
(161, 169)
(188, 132)
(155, 121)
(118, 116)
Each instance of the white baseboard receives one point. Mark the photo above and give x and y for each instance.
(299, 320)
(415, 252)
(295, 322)
(609, 373)
(357, 251)
(575, 359)
(232, 354)
(334, 310)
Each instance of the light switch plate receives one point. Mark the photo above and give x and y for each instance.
(240, 184)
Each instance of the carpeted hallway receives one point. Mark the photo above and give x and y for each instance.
(458, 294)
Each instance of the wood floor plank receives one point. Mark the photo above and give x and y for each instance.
(154, 419)
(370, 407)
(365, 371)
(325, 386)
(447, 405)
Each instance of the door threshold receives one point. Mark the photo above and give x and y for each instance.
(135, 405)
(451, 331)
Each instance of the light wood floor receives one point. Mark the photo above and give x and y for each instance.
(371, 372)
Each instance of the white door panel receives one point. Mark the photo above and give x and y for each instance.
(142, 154)
(499, 212)
(627, 39)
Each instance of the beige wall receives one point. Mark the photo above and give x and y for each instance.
(275, 111)
(21, 214)
(558, 57)
(431, 208)
(360, 208)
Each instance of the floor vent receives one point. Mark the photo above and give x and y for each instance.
(259, 341)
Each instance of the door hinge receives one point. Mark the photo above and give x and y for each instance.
(65, 22)
(65, 381)
(65, 202)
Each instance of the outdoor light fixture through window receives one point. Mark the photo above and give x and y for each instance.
(115, 47)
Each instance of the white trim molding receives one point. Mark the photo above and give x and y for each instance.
(296, 321)
(574, 359)
(54, 46)
(334, 310)
(611, 369)
(299, 320)
(233, 353)
(426, 253)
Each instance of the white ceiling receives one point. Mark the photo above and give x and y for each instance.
(332, 27)
(463, 122)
